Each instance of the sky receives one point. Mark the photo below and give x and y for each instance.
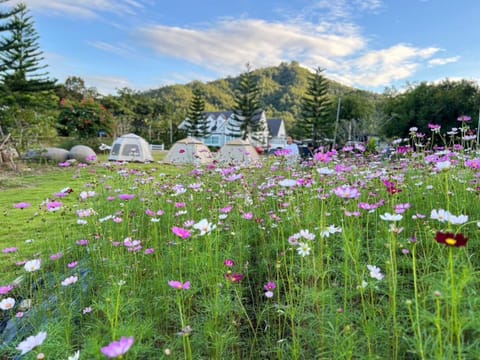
(147, 44)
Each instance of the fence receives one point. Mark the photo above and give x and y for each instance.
(159, 147)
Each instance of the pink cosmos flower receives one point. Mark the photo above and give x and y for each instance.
(82, 242)
(149, 251)
(347, 192)
(4, 290)
(9, 250)
(22, 205)
(226, 209)
(126, 197)
(270, 286)
(464, 118)
(248, 216)
(117, 349)
(322, 157)
(72, 265)
(54, 206)
(178, 285)
(56, 256)
(229, 263)
(180, 232)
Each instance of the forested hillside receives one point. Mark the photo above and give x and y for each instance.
(282, 89)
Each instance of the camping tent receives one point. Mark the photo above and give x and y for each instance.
(130, 147)
(189, 151)
(239, 152)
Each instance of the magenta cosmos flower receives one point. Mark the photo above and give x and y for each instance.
(22, 205)
(4, 290)
(180, 232)
(118, 348)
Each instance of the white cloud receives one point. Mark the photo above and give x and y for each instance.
(82, 8)
(443, 61)
(117, 49)
(107, 84)
(230, 44)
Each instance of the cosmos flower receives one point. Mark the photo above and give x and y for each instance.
(234, 277)
(31, 342)
(70, 280)
(449, 239)
(180, 232)
(22, 205)
(117, 349)
(375, 272)
(347, 192)
(33, 265)
(391, 217)
(7, 304)
(204, 226)
(464, 118)
(178, 285)
(303, 249)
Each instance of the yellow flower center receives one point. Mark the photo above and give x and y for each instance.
(450, 241)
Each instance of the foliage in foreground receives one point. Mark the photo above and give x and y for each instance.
(344, 257)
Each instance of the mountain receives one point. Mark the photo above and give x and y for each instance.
(282, 86)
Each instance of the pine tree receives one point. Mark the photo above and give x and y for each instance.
(196, 124)
(247, 109)
(20, 58)
(315, 105)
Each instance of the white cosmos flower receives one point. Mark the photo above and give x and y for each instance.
(325, 171)
(70, 280)
(458, 220)
(391, 217)
(75, 356)
(204, 226)
(7, 304)
(33, 265)
(445, 216)
(31, 342)
(375, 272)
(303, 249)
(443, 165)
(287, 182)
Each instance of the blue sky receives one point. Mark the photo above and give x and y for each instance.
(368, 44)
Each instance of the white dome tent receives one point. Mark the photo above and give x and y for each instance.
(130, 147)
(189, 151)
(238, 152)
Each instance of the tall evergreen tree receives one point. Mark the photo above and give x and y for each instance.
(196, 124)
(315, 106)
(21, 70)
(27, 99)
(247, 109)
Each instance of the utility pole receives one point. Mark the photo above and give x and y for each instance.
(336, 122)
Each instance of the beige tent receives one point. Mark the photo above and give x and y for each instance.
(189, 151)
(130, 147)
(239, 152)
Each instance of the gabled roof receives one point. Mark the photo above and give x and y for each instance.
(274, 126)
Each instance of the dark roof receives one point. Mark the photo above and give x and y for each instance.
(274, 126)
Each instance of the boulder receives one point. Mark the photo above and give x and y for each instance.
(83, 154)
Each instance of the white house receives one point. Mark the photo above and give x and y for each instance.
(218, 128)
(277, 134)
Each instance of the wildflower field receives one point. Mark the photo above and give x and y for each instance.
(348, 256)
